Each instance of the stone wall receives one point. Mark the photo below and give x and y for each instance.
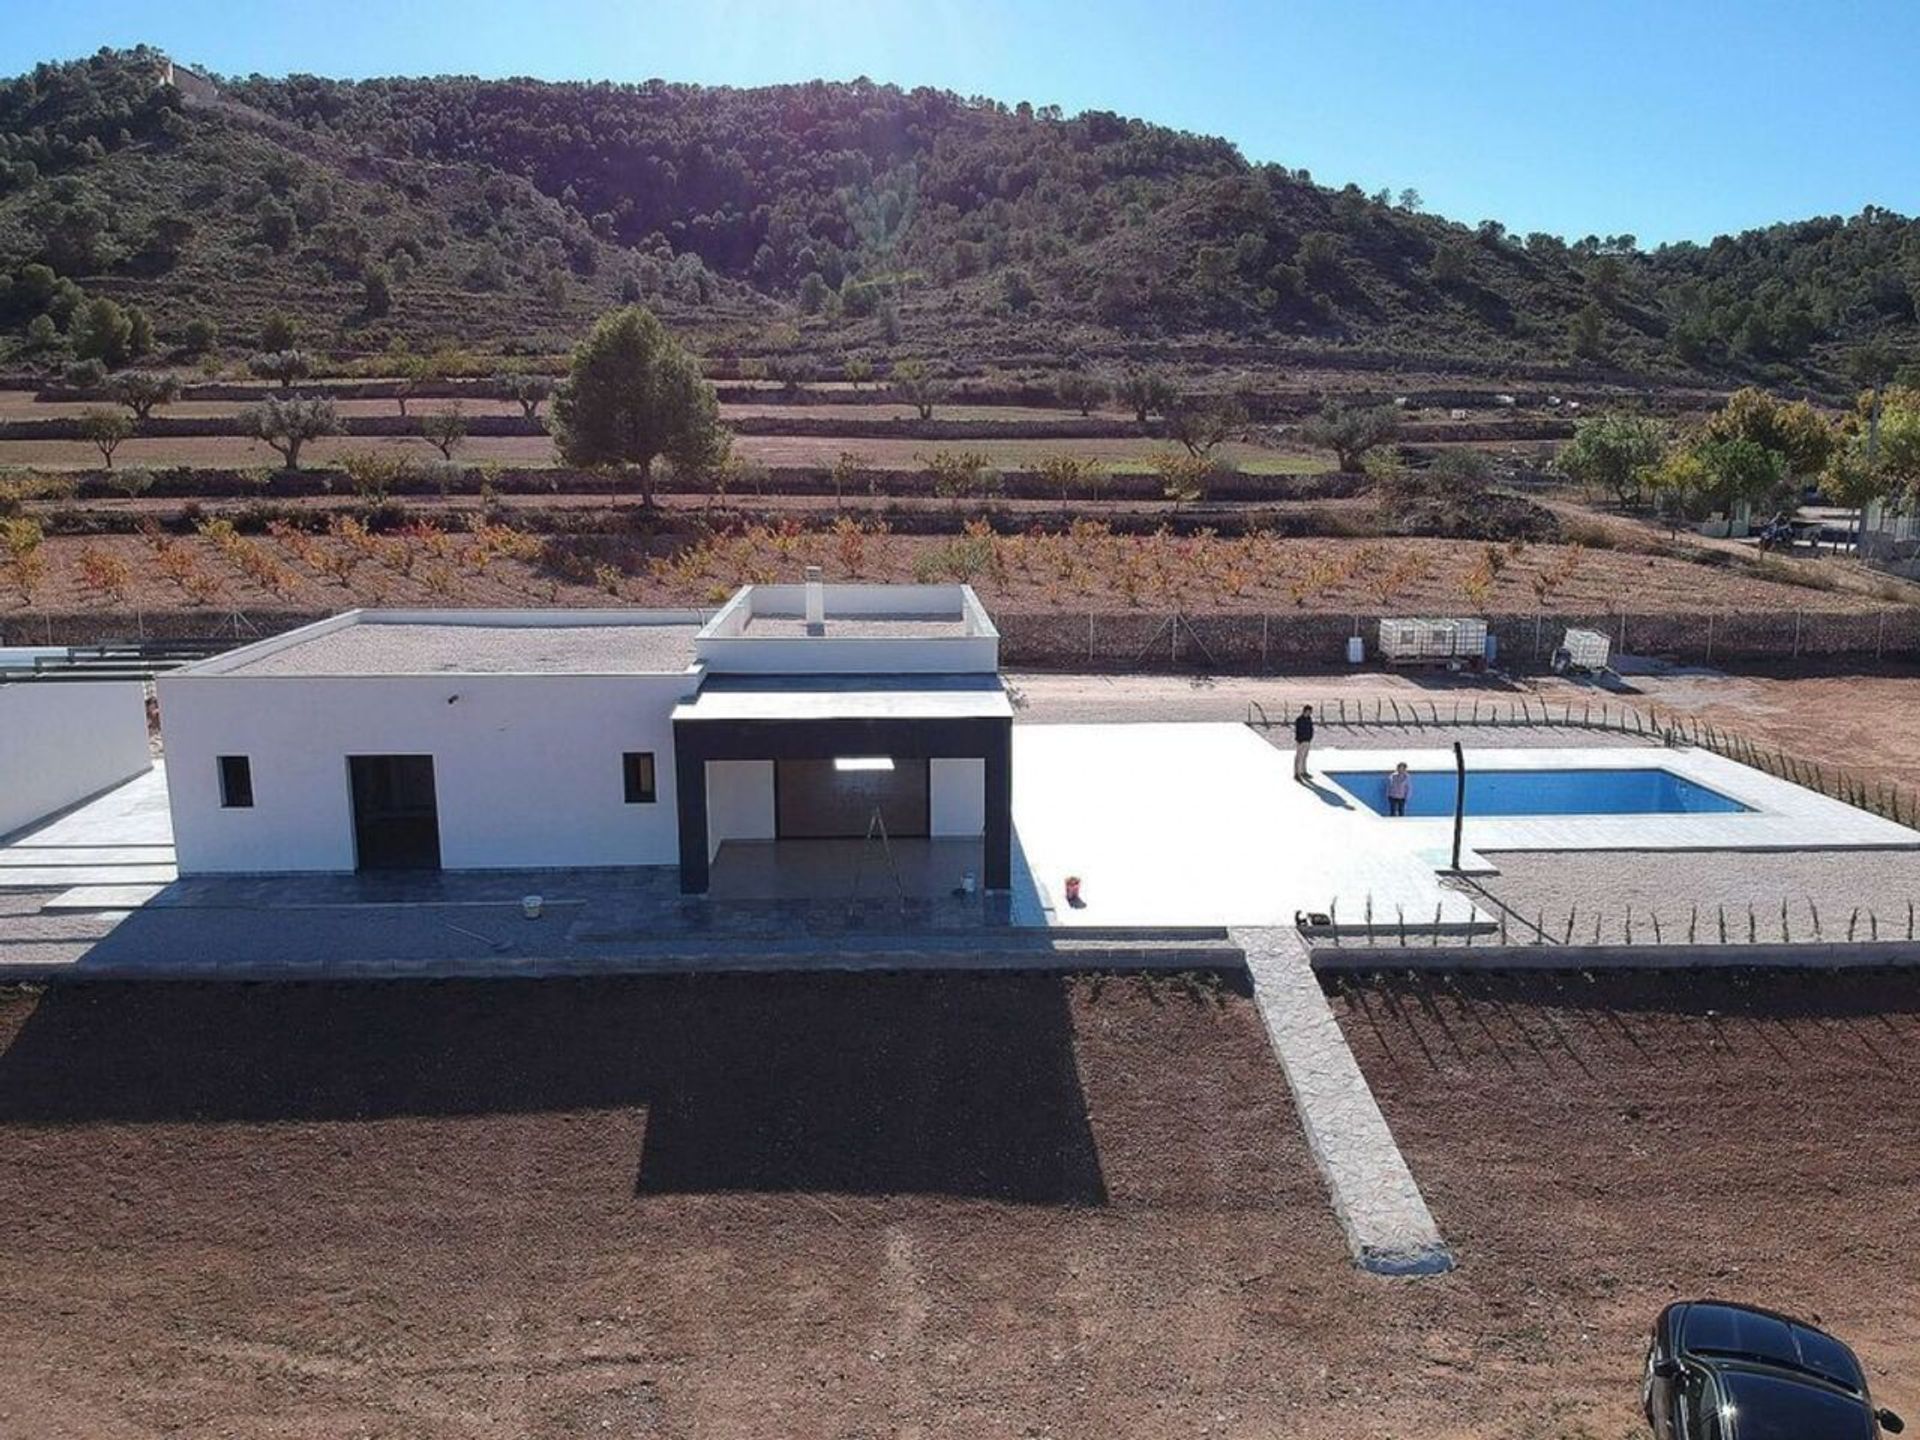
(1157, 642)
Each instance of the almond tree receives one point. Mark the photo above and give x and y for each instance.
(106, 429)
(445, 429)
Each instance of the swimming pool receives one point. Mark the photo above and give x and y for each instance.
(1651, 791)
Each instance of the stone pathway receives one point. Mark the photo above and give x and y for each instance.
(1386, 1220)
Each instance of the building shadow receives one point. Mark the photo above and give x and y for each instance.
(872, 1084)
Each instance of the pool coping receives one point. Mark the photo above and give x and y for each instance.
(1781, 814)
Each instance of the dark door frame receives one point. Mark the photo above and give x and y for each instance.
(985, 738)
(358, 820)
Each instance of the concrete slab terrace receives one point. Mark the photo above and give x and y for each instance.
(1198, 824)
(111, 852)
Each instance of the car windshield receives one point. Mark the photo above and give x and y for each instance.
(1776, 1407)
(1732, 1333)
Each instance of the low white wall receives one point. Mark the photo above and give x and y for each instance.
(739, 802)
(526, 767)
(62, 741)
(958, 804)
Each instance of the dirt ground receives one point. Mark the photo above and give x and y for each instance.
(1595, 1148)
(240, 452)
(877, 1206)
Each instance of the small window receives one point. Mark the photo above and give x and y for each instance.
(636, 766)
(236, 782)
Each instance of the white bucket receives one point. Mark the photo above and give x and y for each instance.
(530, 906)
(1356, 650)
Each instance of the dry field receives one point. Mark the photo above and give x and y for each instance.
(1087, 570)
(239, 452)
(987, 1206)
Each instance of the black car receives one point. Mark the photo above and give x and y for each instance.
(1718, 1371)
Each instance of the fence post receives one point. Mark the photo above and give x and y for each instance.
(1710, 616)
(1796, 634)
(1264, 663)
(1089, 639)
(1880, 636)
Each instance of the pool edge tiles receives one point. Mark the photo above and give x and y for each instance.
(1497, 793)
(1780, 814)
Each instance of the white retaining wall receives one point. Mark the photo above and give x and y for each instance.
(62, 741)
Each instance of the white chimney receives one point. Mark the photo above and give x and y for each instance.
(816, 602)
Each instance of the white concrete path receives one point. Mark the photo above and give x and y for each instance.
(1199, 824)
(1388, 1226)
(115, 851)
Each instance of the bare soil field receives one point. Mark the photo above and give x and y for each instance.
(1090, 570)
(239, 452)
(987, 1206)
(1595, 1148)
(22, 405)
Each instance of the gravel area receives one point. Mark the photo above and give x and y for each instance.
(895, 627)
(407, 649)
(1540, 890)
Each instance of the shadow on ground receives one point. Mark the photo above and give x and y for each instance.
(955, 1085)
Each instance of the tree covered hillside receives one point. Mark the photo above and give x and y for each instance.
(850, 219)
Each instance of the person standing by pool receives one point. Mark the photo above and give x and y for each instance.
(1399, 789)
(1302, 741)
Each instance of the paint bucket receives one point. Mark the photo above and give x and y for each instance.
(530, 906)
(969, 884)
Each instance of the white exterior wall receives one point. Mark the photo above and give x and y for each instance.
(958, 804)
(63, 741)
(739, 802)
(526, 767)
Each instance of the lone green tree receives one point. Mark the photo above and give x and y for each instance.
(632, 395)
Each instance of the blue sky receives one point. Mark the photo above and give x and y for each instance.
(1667, 119)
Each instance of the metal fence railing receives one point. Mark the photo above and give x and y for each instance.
(1670, 728)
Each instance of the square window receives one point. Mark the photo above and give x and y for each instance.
(236, 782)
(636, 767)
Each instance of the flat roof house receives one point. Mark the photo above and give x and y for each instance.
(475, 739)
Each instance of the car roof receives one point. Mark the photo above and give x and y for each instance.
(1766, 1405)
(1717, 1329)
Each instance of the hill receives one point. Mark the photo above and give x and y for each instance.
(829, 220)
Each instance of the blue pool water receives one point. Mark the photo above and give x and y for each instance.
(1544, 792)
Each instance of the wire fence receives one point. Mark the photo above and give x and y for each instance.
(1801, 923)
